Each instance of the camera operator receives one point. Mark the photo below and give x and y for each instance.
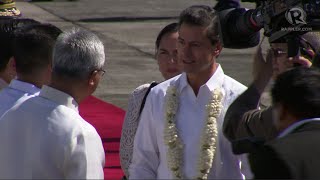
(244, 119)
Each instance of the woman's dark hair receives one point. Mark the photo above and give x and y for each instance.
(170, 28)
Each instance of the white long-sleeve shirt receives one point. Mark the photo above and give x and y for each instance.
(46, 138)
(150, 153)
(15, 93)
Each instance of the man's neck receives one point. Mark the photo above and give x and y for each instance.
(73, 89)
(5, 77)
(37, 77)
(35, 81)
(3, 83)
(196, 80)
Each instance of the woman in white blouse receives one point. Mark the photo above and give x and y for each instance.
(166, 56)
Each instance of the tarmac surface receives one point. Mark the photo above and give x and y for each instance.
(128, 29)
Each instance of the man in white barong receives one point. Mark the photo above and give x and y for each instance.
(45, 137)
(32, 56)
(179, 135)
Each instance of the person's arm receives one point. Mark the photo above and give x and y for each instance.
(145, 158)
(85, 157)
(257, 123)
(233, 118)
(129, 127)
(249, 100)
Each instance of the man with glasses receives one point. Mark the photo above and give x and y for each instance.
(45, 137)
(244, 117)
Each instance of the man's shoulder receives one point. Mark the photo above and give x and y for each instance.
(233, 86)
(69, 120)
(7, 92)
(140, 91)
(308, 135)
(141, 88)
(162, 87)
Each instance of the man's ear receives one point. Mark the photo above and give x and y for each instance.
(94, 79)
(12, 64)
(286, 117)
(282, 112)
(217, 49)
(11, 67)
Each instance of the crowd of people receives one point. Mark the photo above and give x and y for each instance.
(198, 123)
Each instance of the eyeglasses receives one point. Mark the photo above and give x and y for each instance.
(99, 70)
(277, 52)
(102, 71)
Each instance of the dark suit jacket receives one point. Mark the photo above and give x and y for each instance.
(296, 155)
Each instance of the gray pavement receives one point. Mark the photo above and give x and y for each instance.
(128, 30)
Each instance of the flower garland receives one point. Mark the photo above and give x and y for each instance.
(208, 138)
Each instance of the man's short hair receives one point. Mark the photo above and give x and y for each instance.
(7, 28)
(298, 90)
(77, 54)
(33, 46)
(204, 16)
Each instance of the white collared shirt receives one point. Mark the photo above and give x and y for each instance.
(45, 137)
(16, 93)
(149, 154)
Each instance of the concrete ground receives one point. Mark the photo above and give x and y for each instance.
(128, 29)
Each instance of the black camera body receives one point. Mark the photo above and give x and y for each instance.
(282, 21)
(282, 18)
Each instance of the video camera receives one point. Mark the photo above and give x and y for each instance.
(282, 21)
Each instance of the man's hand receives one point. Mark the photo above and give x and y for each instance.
(300, 60)
(262, 69)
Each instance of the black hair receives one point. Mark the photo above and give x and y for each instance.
(33, 47)
(170, 28)
(7, 28)
(204, 16)
(298, 90)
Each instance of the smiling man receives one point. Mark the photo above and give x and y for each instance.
(179, 135)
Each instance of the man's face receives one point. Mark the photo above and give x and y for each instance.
(195, 51)
(280, 62)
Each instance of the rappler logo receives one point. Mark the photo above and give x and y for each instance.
(296, 16)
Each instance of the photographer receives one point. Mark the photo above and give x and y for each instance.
(244, 118)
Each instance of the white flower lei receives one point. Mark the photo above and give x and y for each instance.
(208, 137)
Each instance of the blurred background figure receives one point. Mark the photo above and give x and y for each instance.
(7, 66)
(8, 9)
(166, 56)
